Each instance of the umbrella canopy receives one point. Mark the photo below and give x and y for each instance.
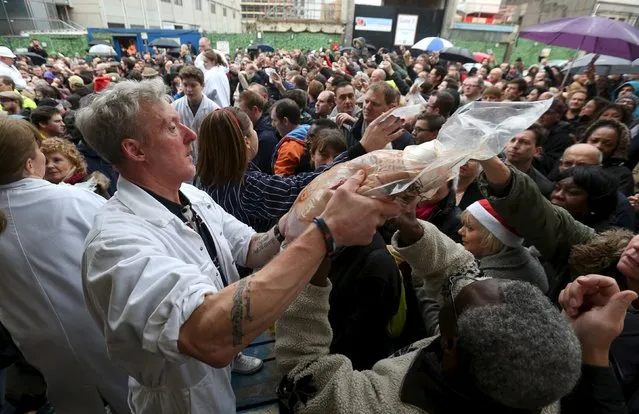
(35, 58)
(588, 33)
(457, 54)
(605, 65)
(175, 52)
(102, 50)
(432, 44)
(371, 48)
(98, 42)
(165, 42)
(262, 47)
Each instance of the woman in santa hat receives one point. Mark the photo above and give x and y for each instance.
(498, 247)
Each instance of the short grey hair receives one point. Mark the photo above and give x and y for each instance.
(522, 352)
(112, 115)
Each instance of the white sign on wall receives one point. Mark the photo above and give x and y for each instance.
(223, 46)
(405, 30)
(373, 24)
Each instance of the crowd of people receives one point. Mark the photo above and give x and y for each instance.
(143, 236)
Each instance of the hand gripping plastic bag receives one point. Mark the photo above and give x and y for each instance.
(479, 130)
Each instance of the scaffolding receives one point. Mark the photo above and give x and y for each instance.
(328, 11)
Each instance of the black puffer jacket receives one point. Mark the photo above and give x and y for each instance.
(365, 296)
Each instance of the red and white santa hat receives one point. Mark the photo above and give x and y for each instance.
(494, 223)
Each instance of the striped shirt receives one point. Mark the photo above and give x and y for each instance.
(260, 199)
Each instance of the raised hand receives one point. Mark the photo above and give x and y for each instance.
(382, 131)
(597, 308)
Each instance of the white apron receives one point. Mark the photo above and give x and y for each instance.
(41, 298)
(145, 272)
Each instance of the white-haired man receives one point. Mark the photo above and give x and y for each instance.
(159, 267)
(7, 68)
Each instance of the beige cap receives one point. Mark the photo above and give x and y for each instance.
(11, 95)
(149, 73)
(75, 80)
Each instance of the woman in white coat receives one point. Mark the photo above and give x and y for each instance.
(216, 82)
(42, 231)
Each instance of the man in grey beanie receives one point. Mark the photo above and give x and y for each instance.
(498, 346)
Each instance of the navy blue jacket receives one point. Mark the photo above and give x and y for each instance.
(267, 138)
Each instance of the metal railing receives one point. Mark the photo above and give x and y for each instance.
(19, 26)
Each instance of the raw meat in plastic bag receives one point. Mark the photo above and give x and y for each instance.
(479, 130)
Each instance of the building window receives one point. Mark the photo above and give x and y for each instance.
(224, 11)
(165, 1)
(198, 4)
(234, 14)
(115, 25)
(212, 7)
(178, 2)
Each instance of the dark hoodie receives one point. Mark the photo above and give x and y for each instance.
(267, 140)
(97, 163)
(635, 87)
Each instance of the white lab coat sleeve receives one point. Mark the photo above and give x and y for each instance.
(14, 74)
(199, 62)
(237, 234)
(140, 293)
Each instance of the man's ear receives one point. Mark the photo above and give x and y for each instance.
(539, 150)
(132, 149)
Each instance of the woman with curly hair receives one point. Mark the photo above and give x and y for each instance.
(612, 138)
(65, 164)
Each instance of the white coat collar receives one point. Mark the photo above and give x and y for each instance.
(31, 182)
(142, 204)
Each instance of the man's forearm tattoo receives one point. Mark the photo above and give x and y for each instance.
(241, 309)
(264, 242)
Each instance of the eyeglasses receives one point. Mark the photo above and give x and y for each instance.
(470, 86)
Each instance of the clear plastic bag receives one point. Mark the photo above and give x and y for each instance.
(479, 130)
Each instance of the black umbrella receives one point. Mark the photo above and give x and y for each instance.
(165, 42)
(35, 58)
(175, 52)
(99, 42)
(371, 48)
(262, 47)
(457, 54)
(346, 49)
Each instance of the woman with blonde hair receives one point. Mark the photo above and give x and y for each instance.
(185, 54)
(65, 164)
(498, 247)
(42, 231)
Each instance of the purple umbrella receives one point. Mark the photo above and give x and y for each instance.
(588, 33)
